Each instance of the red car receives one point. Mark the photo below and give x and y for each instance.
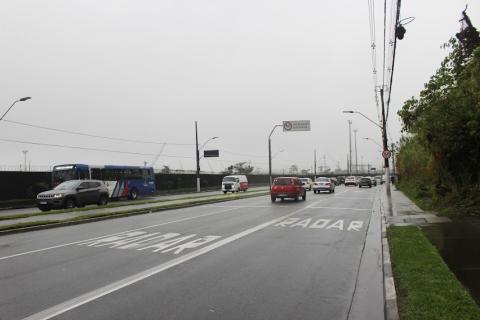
(287, 187)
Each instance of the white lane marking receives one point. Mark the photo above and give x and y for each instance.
(100, 292)
(356, 198)
(338, 208)
(354, 225)
(113, 234)
(247, 206)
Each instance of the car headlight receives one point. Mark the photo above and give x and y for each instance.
(58, 195)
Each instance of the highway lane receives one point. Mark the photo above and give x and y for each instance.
(128, 203)
(242, 259)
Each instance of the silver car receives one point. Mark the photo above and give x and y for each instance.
(323, 184)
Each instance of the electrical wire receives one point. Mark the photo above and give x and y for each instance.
(397, 19)
(93, 135)
(371, 20)
(90, 149)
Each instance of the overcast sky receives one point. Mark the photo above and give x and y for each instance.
(147, 70)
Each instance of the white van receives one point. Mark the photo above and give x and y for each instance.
(234, 183)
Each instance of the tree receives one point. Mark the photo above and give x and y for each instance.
(441, 150)
(239, 168)
(165, 169)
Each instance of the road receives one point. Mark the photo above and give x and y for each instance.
(127, 203)
(244, 259)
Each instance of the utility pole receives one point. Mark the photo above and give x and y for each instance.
(356, 155)
(25, 159)
(314, 164)
(386, 162)
(393, 162)
(197, 157)
(350, 146)
(324, 162)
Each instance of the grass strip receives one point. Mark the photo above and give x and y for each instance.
(166, 206)
(426, 288)
(116, 205)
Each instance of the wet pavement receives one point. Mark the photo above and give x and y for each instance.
(459, 245)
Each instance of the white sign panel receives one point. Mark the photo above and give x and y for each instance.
(296, 125)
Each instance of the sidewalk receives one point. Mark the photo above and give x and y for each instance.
(407, 213)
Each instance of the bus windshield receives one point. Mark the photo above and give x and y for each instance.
(229, 179)
(60, 176)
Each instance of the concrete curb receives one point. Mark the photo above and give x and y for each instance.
(114, 216)
(390, 294)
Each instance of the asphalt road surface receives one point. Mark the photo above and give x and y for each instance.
(244, 259)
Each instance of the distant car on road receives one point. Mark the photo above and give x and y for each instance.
(287, 187)
(73, 193)
(365, 182)
(307, 183)
(350, 181)
(323, 184)
(234, 183)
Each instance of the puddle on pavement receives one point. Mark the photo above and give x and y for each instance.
(459, 245)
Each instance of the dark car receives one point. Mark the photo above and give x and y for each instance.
(287, 187)
(73, 193)
(365, 182)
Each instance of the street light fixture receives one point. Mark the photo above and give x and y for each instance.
(270, 154)
(19, 100)
(382, 127)
(351, 111)
(378, 144)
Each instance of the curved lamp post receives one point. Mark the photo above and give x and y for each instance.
(19, 100)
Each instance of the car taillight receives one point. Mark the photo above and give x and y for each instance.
(328, 183)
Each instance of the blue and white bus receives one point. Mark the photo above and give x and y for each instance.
(122, 181)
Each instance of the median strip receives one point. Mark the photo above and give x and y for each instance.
(148, 208)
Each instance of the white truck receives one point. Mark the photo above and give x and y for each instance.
(234, 183)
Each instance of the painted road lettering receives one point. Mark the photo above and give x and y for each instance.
(327, 224)
(154, 242)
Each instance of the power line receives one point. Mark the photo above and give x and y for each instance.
(93, 135)
(90, 149)
(371, 20)
(397, 19)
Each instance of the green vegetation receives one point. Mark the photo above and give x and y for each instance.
(426, 288)
(438, 159)
(165, 205)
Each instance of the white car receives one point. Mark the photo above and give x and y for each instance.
(323, 184)
(351, 181)
(307, 183)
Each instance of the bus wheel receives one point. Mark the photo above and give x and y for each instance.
(133, 194)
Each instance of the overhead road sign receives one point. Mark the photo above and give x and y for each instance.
(296, 125)
(210, 153)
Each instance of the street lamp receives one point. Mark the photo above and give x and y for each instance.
(378, 144)
(270, 154)
(198, 154)
(351, 111)
(382, 127)
(19, 100)
(276, 153)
